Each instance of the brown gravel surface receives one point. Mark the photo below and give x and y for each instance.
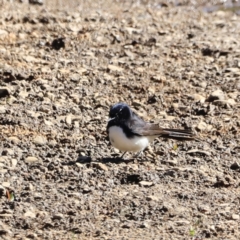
(61, 68)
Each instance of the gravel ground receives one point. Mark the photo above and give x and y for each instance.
(61, 68)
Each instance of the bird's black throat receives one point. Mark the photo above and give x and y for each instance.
(126, 129)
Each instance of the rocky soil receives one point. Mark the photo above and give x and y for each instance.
(63, 64)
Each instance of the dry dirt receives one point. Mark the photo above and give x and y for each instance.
(63, 64)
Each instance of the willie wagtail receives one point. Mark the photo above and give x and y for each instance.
(128, 132)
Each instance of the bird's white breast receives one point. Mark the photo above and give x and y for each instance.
(120, 141)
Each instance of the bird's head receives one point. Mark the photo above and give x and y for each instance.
(120, 111)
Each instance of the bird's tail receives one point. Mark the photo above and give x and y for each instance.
(178, 134)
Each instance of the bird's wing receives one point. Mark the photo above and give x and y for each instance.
(146, 129)
(141, 128)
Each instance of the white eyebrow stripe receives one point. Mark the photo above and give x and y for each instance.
(111, 119)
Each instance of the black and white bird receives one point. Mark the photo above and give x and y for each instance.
(129, 133)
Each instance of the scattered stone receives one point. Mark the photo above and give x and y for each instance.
(100, 166)
(162, 113)
(8, 151)
(48, 123)
(29, 59)
(203, 84)
(4, 92)
(115, 68)
(69, 120)
(30, 214)
(3, 34)
(145, 225)
(236, 71)
(3, 109)
(182, 223)
(204, 209)
(235, 217)
(229, 102)
(202, 126)
(5, 231)
(216, 95)
(14, 163)
(75, 77)
(14, 139)
(233, 95)
(172, 162)
(238, 85)
(152, 198)
(199, 98)
(40, 140)
(169, 118)
(32, 160)
(58, 43)
(199, 151)
(36, 2)
(235, 166)
(58, 216)
(2, 191)
(175, 105)
(6, 184)
(145, 184)
(38, 196)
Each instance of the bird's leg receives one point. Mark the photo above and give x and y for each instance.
(137, 155)
(123, 154)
